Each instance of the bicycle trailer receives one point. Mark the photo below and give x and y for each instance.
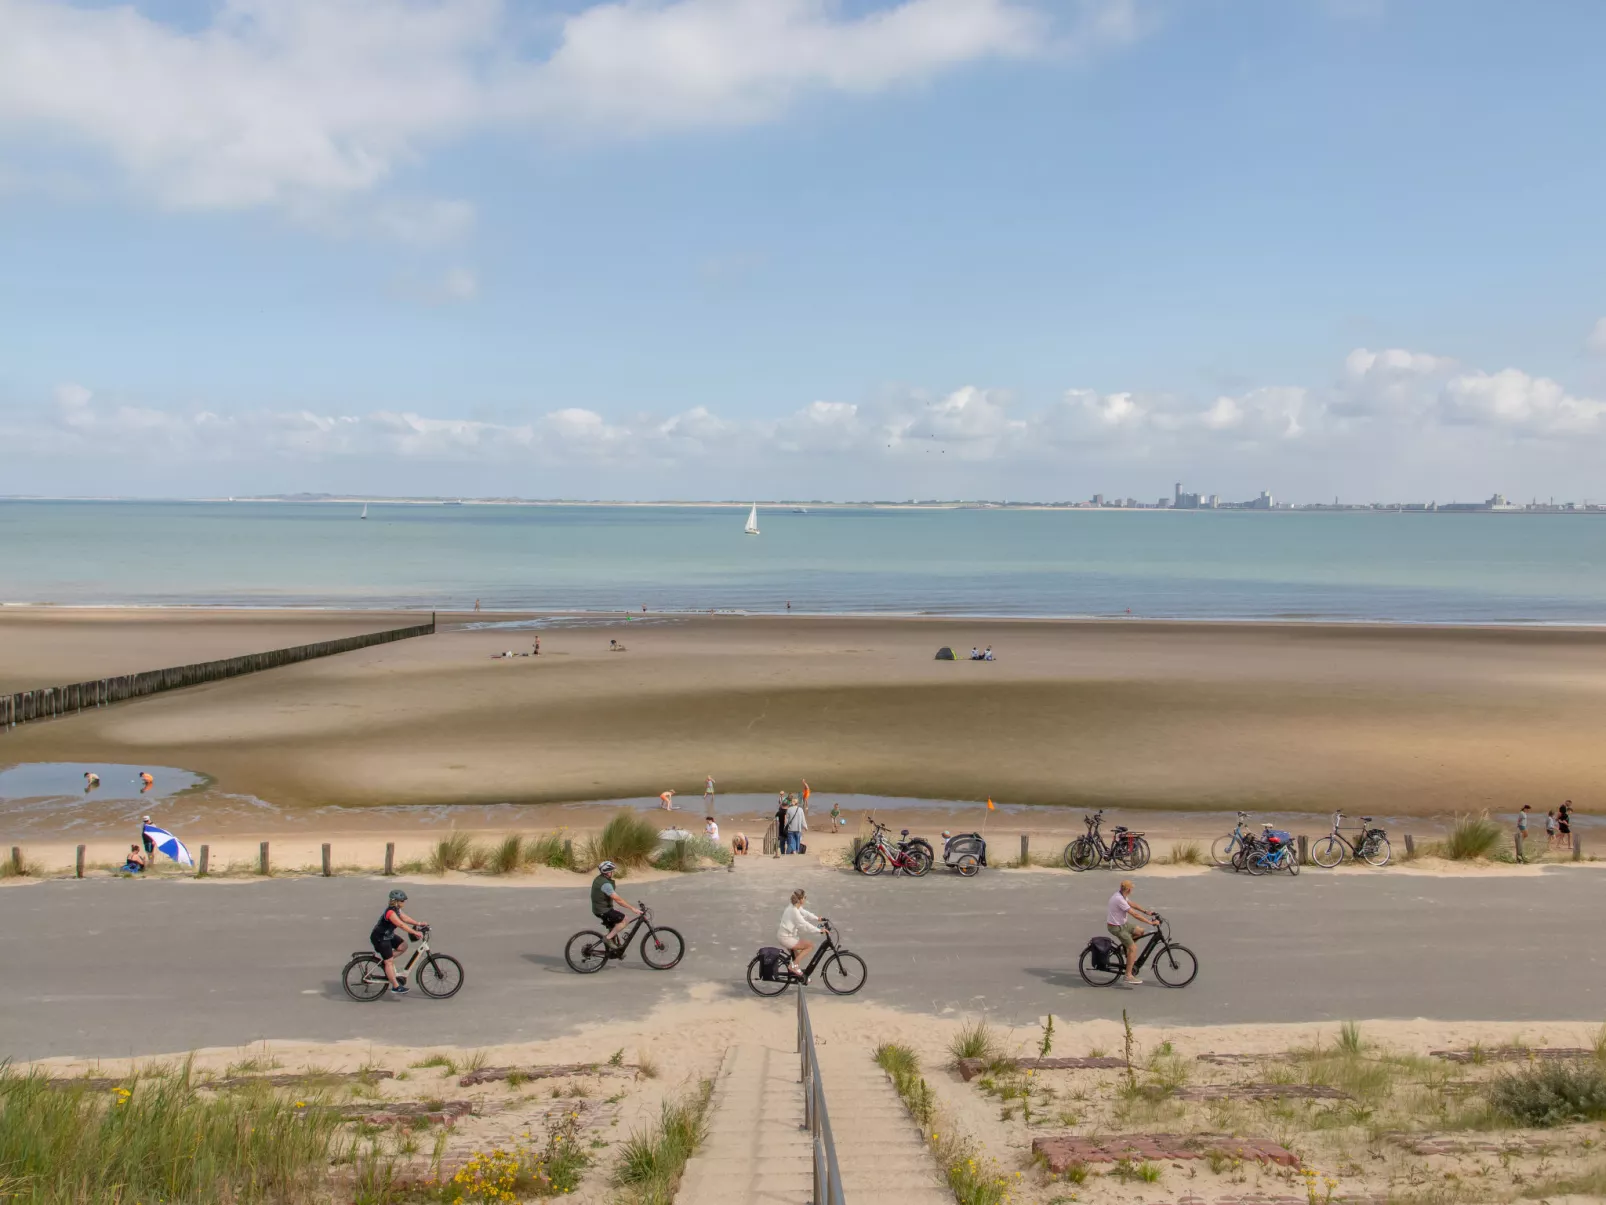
(964, 852)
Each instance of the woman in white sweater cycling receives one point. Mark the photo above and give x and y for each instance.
(796, 921)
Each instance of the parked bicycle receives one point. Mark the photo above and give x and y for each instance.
(1126, 850)
(841, 970)
(661, 947)
(1223, 849)
(1273, 850)
(906, 857)
(437, 975)
(1103, 959)
(1371, 845)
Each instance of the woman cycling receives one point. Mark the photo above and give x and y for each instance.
(387, 942)
(796, 921)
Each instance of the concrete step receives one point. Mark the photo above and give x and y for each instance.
(756, 1152)
(879, 1148)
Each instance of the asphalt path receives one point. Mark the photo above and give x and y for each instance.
(107, 968)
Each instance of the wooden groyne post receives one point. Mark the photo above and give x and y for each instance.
(206, 862)
(390, 857)
(262, 859)
(49, 702)
(78, 864)
(326, 859)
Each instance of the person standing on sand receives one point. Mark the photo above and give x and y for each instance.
(536, 651)
(145, 837)
(1522, 833)
(796, 825)
(1564, 825)
(780, 823)
(1550, 829)
(476, 606)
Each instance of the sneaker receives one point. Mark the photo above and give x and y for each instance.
(399, 990)
(1132, 982)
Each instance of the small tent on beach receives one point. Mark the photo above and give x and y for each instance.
(945, 653)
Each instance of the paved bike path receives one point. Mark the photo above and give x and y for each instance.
(114, 967)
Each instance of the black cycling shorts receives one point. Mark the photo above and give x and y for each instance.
(611, 917)
(387, 946)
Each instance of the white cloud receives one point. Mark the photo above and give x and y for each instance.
(1514, 401)
(1596, 342)
(303, 103)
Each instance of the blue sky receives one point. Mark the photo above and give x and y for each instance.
(718, 247)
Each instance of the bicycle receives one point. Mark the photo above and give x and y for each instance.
(1271, 851)
(843, 972)
(1222, 849)
(1127, 850)
(662, 948)
(1371, 846)
(440, 976)
(913, 857)
(1174, 966)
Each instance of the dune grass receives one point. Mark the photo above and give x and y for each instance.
(547, 850)
(1186, 853)
(159, 1139)
(627, 840)
(685, 855)
(975, 1040)
(651, 1161)
(1551, 1094)
(507, 855)
(1471, 837)
(451, 852)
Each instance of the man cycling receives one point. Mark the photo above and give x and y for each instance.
(606, 902)
(1118, 920)
(387, 942)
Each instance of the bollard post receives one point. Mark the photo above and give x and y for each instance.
(16, 859)
(1025, 849)
(680, 858)
(390, 857)
(262, 863)
(568, 852)
(1410, 846)
(78, 864)
(326, 859)
(858, 844)
(1578, 847)
(1304, 850)
(206, 861)
(1521, 857)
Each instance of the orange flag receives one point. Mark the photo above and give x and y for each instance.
(990, 806)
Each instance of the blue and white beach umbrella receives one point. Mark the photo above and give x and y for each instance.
(165, 842)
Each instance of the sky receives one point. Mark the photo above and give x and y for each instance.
(639, 249)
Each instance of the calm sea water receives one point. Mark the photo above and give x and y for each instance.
(1215, 565)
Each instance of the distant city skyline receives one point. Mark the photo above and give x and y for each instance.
(858, 248)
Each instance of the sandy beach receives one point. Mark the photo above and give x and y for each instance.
(1386, 720)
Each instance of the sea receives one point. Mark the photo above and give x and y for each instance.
(1208, 565)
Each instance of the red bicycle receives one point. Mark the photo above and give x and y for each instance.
(906, 857)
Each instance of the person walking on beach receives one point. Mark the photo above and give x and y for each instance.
(1550, 829)
(1522, 833)
(708, 793)
(796, 825)
(1118, 920)
(1564, 825)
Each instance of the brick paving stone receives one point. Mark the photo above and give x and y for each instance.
(1513, 1054)
(1459, 1144)
(1065, 1150)
(969, 1069)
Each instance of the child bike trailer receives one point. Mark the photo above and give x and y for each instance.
(964, 852)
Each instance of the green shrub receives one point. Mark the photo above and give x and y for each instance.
(547, 850)
(1551, 1094)
(975, 1040)
(1471, 837)
(450, 853)
(650, 1162)
(507, 856)
(158, 1139)
(628, 840)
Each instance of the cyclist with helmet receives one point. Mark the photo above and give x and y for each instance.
(606, 902)
(387, 942)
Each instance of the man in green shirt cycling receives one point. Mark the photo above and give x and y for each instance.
(606, 902)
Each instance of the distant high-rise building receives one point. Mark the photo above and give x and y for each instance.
(1183, 501)
(1098, 499)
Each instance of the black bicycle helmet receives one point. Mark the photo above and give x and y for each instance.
(398, 896)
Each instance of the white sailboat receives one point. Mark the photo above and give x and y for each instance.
(364, 510)
(752, 521)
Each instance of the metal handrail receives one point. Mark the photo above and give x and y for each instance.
(816, 1117)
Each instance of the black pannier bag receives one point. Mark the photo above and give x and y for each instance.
(1103, 952)
(770, 961)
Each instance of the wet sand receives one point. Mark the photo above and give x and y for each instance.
(1199, 717)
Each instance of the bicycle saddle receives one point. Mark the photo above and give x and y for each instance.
(1119, 828)
(1366, 820)
(903, 833)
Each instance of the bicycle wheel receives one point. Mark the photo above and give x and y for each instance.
(1093, 975)
(1081, 854)
(967, 866)
(364, 978)
(931, 854)
(1222, 849)
(871, 861)
(662, 948)
(586, 952)
(1174, 965)
(441, 976)
(844, 973)
(920, 859)
(764, 987)
(1327, 853)
(1290, 860)
(1134, 854)
(1377, 851)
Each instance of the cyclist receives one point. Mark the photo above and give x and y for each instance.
(387, 942)
(796, 921)
(1118, 920)
(606, 902)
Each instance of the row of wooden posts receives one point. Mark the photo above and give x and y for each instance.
(50, 701)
